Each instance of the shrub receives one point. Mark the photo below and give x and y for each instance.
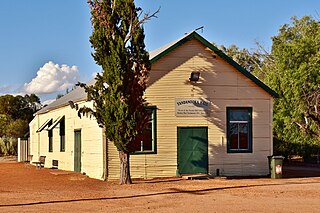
(8, 145)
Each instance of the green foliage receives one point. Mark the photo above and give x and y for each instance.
(15, 114)
(256, 61)
(17, 128)
(119, 106)
(296, 148)
(248, 60)
(294, 75)
(4, 122)
(292, 69)
(8, 145)
(118, 42)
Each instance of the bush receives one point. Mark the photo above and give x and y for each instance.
(8, 146)
(287, 149)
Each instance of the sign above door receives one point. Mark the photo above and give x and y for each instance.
(192, 107)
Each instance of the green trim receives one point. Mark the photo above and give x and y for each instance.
(249, 150)
(171, 48)
(219, 53)
(154, 134)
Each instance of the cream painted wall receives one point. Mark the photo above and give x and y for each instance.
(225, 87)
(91, 141)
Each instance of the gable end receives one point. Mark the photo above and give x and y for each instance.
(195, 35)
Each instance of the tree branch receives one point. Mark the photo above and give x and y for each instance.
(145, 18)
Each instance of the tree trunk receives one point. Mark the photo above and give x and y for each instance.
(124, 168)
(105, 159)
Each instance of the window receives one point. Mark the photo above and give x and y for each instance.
(147, 140)
(239, 129)
(51, 126)
(50, 134)
(62, 135)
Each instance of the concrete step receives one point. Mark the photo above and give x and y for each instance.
(196, 177)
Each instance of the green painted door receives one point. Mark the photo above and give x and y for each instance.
(192, 150)
(77, 151)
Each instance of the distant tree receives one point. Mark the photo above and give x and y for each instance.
(256, 61)
(248, 60)
(295, 75)
(4, 122)
(15, 114)
(30, 104)
(17, 128)
(10, 105)
(119, 105)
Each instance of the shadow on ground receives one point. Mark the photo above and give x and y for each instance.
(301, 171)
(172, 191)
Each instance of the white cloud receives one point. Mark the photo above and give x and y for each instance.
(52, 78)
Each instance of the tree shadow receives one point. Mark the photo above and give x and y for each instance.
(144, 181)
(291, 171)
(172, 192)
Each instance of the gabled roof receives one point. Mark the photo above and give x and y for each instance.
(79, 94)
(163, 51)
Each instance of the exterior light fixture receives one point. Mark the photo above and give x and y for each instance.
(194, 76)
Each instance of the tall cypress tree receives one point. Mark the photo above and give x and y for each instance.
(119, 105)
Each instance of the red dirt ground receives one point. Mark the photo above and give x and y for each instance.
(23, 188)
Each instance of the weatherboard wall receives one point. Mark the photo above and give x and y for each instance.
(91, 141)
(224, 87)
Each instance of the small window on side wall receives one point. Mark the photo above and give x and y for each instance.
(147, 140)
(50, 135)
(62, 135)
(239, 129)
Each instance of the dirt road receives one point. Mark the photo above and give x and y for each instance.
(23, 188)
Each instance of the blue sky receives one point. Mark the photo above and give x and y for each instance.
(44, 45)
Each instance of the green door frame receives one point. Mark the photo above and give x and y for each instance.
(192, 153)
(77, 150)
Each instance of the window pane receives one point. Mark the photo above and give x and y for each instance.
(147, 140)
(62, 127)
(239, 115)
(62, 143)
(144, 141)
(243, 136)
(50, 140)
(62, 135)
(233, 136)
